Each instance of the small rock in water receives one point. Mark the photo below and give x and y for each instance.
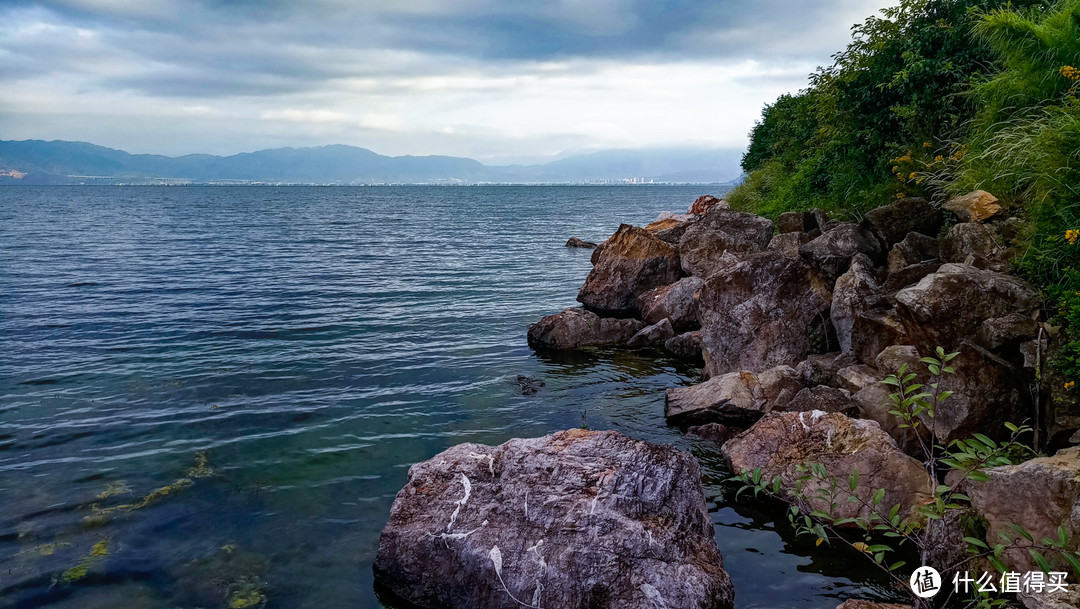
(575, 242)
(529, 385)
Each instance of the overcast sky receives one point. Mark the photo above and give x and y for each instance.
(499, 81)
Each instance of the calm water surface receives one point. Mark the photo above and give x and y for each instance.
(311, 344)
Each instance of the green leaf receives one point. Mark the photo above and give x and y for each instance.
(1040, 560)
(879, 495)
(1022, 531)
(853, 480)
(896, 565)
(977, 542)
(1073, 561)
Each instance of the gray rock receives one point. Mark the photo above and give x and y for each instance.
(909, 275)
(824, 399)
(722, 231)
(976, 244)
(788, 244)
(857, 377)
(713, 432)
(797, 222)
(860, 604)
(892, 358)
(652, 336)
(914, 249)
(575, 242)
(894, 221)
(831, 253)
(851, 297)
(736, 398)
(576, 328)
(819, 369)
(528, 385)
(758, 314)
(677, 302)
(782, 441)
(577, 520)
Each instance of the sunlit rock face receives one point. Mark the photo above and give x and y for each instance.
(576, 519)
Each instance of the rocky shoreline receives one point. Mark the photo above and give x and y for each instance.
(796, 323)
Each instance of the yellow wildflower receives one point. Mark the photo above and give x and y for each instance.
(939, 158)
(911, 176)
(926, 144)
(1070, 72)
(1072, 236)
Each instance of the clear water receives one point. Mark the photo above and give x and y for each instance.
(314, 342)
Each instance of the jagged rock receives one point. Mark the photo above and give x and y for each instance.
(1039, 495)
(575, 242)
(675, 234)
(851, 297)
(860, 604)
(987, 393)
(652, 336)
(909, 275)
(893, 357)
(1008, 330)
(677, 302)
(736, 398)
(788, 244)
(1068, 599)
(857, 377)
(977, 244)
(706, 202)
(664, 224)
(822, 398)
(714, 432)
(873, 331)
(830, 254)
(797, 222)
(722, 231)
(670, 215)
(576, 328)
(577, 519)
(599, 249)
(915, 248)
(950, 305)
(686, 345)
(974, 207)
(756, 314)
(819, 368)
(633, 261)
(782, 441)
(528, 385)
(894, 221)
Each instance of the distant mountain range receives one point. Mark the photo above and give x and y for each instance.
(62, 162)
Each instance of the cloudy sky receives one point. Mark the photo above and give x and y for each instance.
(496, 80)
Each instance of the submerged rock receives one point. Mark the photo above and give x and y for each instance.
(782, 441)
(713, 432)
(633, 261)
(575, 520)
(528, 385)
(575, 242)
(757, 314)
(575, 328)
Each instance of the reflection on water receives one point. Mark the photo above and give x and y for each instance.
(312, 343)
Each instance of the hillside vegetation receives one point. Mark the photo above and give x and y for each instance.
(936, 98)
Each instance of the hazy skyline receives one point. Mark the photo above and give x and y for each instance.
(496, 81)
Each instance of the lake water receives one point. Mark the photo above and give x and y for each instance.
(309, 344)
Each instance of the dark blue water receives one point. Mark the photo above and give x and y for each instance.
(309, 344)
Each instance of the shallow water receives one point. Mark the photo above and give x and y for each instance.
(312, 343)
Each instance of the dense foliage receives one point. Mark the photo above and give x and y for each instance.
(937, 98)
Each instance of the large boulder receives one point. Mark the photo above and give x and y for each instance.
(824, 399)
(782, 441)
(758, 313)
(894, 221)
(575, 328)
(1039, 495)
(722, 231)
(974, 207)
(831, 253)
(788, 244)
(686, 345)
(874, 330)
(950, 305)
(677, 302)
(797, 222)
(977, 244)
(913, 249)
(704, 203)
(736, 398)
(631, 262)
(851, 297)
(577, 519)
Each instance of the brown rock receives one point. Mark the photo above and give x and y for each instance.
(831, 253)
(873, 331)
(1009, 330)
(1039, 495)
(892, 358)
(714, 432)
(788, 244)
(576, 328)
(660, 225)
(736, 398)
(782, 441)
(577, 520)
(706, 202)
(797, 222)
(974, 207)
(855, 378)
(824, 399)
(652, 336)
(909, 275)
(575, 242)
(677, 302)
(915, 248)
(756, 314)
(707, 246)
(859, 604)
(819, 368)
(686, 345)
(633, 261)
(894, 221)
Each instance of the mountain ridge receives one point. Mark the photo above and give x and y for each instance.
(71, 162)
